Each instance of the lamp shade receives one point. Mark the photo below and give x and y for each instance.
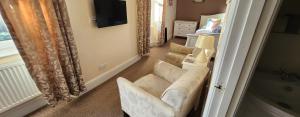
(206, 42)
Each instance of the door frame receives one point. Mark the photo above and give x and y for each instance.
(241, 23)
(267, 19)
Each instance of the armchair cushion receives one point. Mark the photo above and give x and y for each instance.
(177, 53)
(168, 71)
(136, 102)
(175, 58)
(180, 49)
(147, 82)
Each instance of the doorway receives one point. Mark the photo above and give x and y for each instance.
(157, 22)
(273, 88)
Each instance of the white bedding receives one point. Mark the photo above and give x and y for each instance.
(205, 31)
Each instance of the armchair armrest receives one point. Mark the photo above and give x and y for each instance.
(176, 48)
(168, 71)
(138, 103)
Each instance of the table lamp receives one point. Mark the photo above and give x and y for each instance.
(204, 42)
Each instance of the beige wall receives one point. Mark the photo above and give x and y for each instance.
(189, 10)
(97, 46)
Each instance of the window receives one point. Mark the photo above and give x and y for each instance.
(158, 9)
(7, 46)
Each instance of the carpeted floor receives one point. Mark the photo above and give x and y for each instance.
(104, 100)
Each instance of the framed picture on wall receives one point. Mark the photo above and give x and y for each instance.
(198, 1)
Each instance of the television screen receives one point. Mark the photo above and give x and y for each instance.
(110, 12)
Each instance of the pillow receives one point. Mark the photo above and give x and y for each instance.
(218, 29)
(202, 31)
(204, 18)
(212, 23)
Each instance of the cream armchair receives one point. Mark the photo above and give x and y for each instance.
(178, 52)
(168, 92)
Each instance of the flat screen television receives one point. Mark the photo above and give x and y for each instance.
(110, 12)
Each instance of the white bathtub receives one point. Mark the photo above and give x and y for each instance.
(270, 96)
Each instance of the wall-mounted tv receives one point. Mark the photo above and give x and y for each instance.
(110, 12)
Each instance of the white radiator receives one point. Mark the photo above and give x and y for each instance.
(16, 85)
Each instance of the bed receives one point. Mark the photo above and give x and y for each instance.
(192, 38)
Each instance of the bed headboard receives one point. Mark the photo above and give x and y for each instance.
(205, 17)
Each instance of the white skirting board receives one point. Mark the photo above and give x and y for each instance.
(39, 102)
(110, 73)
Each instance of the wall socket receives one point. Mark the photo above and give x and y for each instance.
(102, 66)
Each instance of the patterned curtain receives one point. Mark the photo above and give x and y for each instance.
(42, 33)
(143, 26)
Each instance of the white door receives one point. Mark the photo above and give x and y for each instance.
(240, 25)
(266, 21)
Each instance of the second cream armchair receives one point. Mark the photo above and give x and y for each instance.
(177, 53)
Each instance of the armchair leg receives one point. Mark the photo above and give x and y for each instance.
(125, 114)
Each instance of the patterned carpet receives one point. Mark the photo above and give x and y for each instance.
(104, 100)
